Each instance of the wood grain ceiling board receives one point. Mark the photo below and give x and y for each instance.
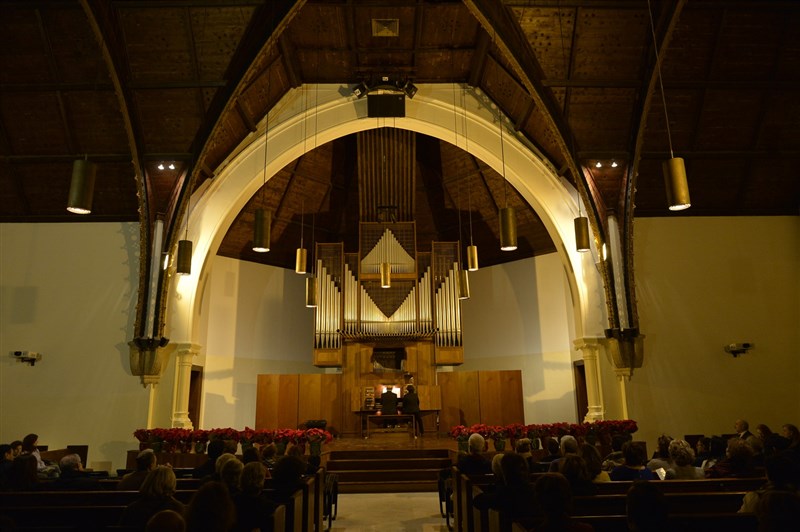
(33, 123)
(93, 124)
(603, 52)
(602, 117)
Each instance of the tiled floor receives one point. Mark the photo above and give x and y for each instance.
(389, 512)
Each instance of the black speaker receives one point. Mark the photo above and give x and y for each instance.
(386, 105)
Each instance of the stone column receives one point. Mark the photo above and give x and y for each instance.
(589, 348)
(184, 353)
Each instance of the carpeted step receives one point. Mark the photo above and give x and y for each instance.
(403, 486)
(334, 466)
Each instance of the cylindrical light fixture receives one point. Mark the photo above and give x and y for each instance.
(311, 291)
(386, 275)
(463, 284)
(184, 259)
(676, 184)
(81, 188)
(300, 260)
(262, 227)
(472, 257)
(508, 229)
(582, 234)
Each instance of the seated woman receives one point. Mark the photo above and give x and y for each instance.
(253, 508)
(23, 475)
(594, 463)
(682, 456)
(633, 468)
(703, 451)
(573, 467)
(661, 458)
(738, 462)
(156, 494)
(646, 507)
(512, 495)
(211, 508)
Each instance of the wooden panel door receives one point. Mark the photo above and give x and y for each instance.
(276, 401)
(501, 397)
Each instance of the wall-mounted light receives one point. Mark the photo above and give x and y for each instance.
(81, 188)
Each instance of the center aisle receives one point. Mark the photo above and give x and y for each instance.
(389, 512)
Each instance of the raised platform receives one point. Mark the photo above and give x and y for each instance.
(388, 463)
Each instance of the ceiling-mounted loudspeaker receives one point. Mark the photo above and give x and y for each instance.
(386, 105)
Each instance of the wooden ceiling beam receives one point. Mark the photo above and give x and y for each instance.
(479, 59)
(290, 63)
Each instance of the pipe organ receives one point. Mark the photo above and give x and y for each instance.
(417, 300)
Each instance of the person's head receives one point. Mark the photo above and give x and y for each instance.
(146, 460)
(231, 474)
(29, 443)
(739, 450)
(166, 521)
(552, 446)
(569, 445)
(410, 388)
(215, 449)
(16, 447)
(160, 482)
(782, 471)
(763, 431)
(496, 469)
(618, 440)
(288, 471)
(573, 467)
(681, 453)
(269, 452)
(6, 452)
(70, 462)
(646, 507)
(740, 425)
(252, 480)
(523, 446)
(590, 455)
(663, 446)
(634, 454)
(515, 469)
(703, 445)
(211, 509)
(476, 443)
(717, 446)
(554, 496)
(778, 511)
(250, 454)
(221, 461)
(791, 433)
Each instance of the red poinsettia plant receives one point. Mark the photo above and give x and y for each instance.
(287, 436)
(533, 431)
(459, 432)
(321, 435)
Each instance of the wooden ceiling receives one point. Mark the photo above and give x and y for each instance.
(137, 85)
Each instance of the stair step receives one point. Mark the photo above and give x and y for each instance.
(389, 454)
(403, 486)
(388, 463)
(388, 475)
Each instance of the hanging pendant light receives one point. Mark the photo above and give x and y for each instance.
(262, 229)
(184, 259)
(674, 169)
(81, 188)
(472, 249)
(301, 255)
(472, 258)
(582, 234)
(508, 219)
(311, 282)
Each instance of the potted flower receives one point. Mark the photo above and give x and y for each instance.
(144, 437)
(199, 439)
(315, 438)
(498, 434)
(460, 433)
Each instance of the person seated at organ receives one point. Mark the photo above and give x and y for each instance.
(738, 461)
(388, 404)
(411, 406)
(474, 463)
(145, 462)
(634, 466)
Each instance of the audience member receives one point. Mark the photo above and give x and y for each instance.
(23, 475)
(703, 453)
(615, 457)
(223, 459)
(568, 445)
(211, 509)
(156, 494)
(771, 442)
(646, 507)
(253, 508)
(512, 495)
(474, 463)
(166, 521)
(250, 454)
(782, 475)
(230, 474)
(633, 468)
(661, 459)
(16, 448)
(791, 433)
(287, 477)
(29, 443)
(717, 449)
(742, 429)
(523, 448)
(553, 500)
(6, 463)
(73, 476)
(573, 467)
(594, 463)
(553, 450)
(145, 462)
(215, 449)
(778, 511)
(269, 455)
(738, 461)
(682, 456)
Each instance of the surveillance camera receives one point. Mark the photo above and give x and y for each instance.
(738, 349)
(17, 353)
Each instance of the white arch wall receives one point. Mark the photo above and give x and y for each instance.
(314, 115)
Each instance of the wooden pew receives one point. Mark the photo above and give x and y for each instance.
(687, 486)
(618, 523)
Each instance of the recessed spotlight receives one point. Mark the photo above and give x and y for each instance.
(171, 166)
(160, 166)
(614, 164)
(598, 165)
